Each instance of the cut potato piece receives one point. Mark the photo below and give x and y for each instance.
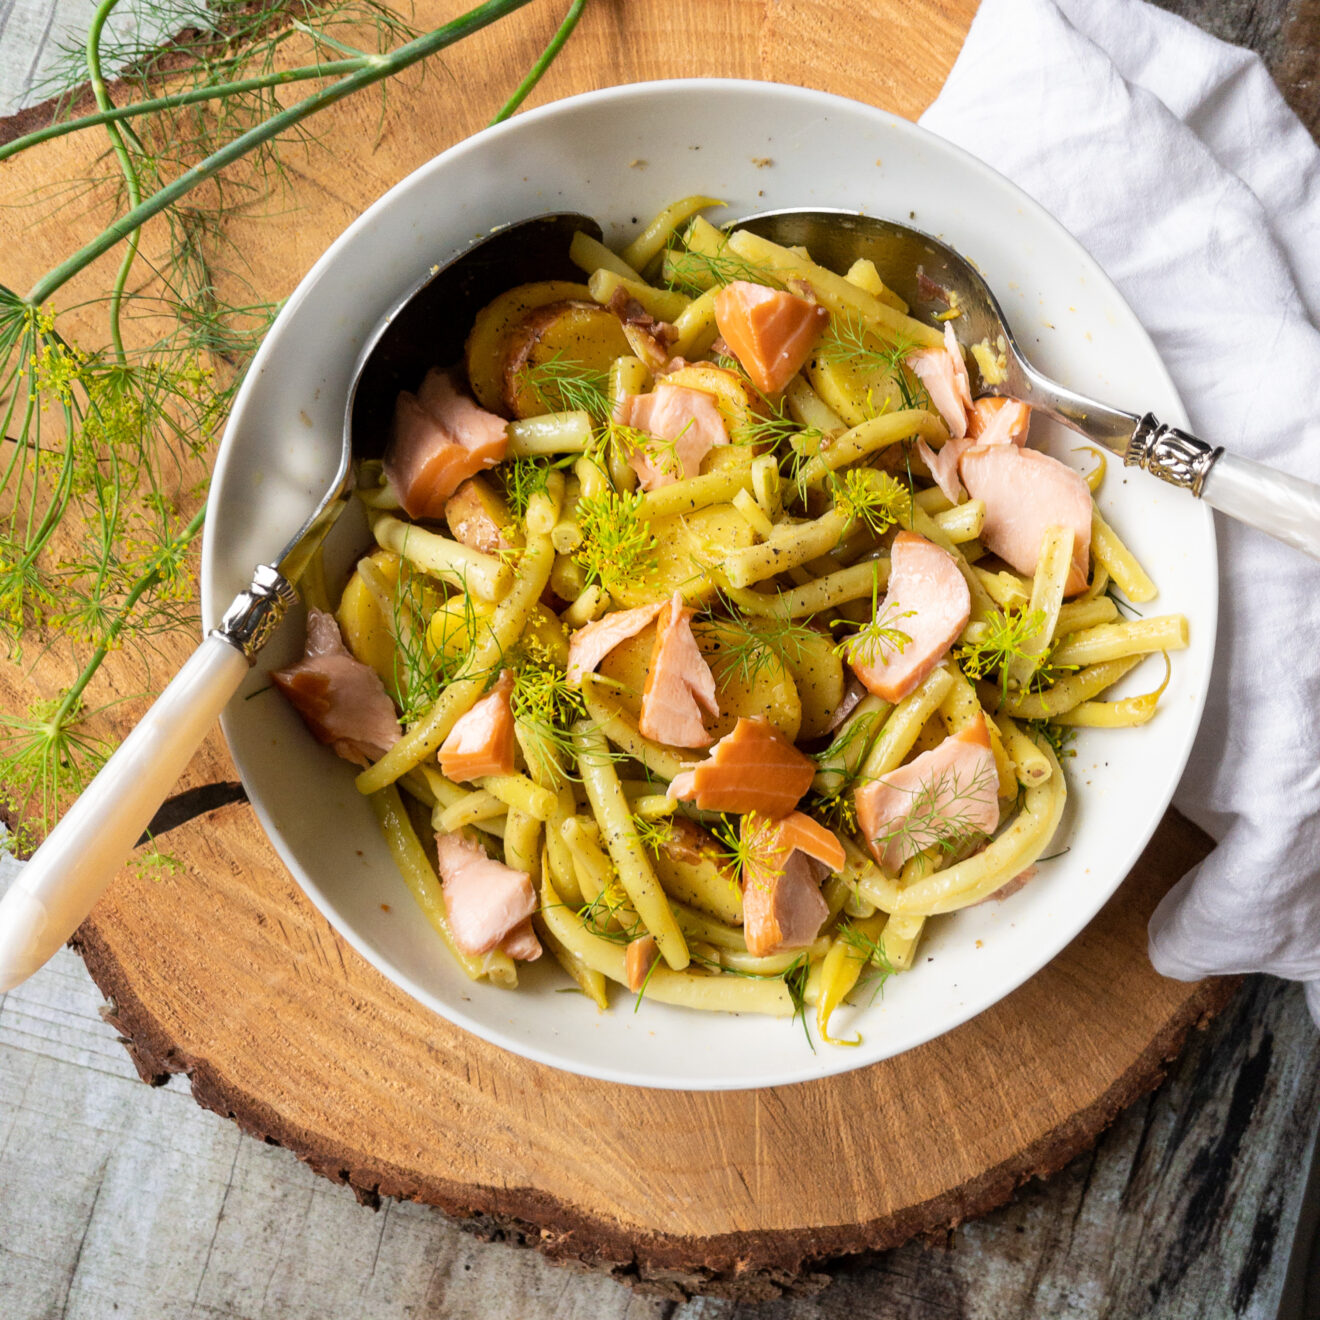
(818, 674)
(692, 868)
(770, 694)
(367, 632)
(687, 544)
(578, 334)
(484, 355)
(451, 626)
(856, 388)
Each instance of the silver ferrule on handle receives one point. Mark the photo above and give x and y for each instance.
(1170, 454)
(255, 614)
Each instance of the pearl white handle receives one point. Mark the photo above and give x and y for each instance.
(1280, 505)
(65, 876)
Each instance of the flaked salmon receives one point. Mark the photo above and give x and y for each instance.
(1026, 492)
(786, 860)
(679, 684)
(440, 438)
(944, 374)
(482, 740)
(943, 465)
(999, 421)
(486, 902)
(342, 701)
(929, 602)
(639, 958)
(521, 942)
(770, 331)
(944, 798)
(685, 426)
(591, 643)
(754, 768)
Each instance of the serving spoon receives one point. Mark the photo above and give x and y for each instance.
(1279, 504)
(62, 880)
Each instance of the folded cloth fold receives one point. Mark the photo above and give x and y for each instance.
(1172, 157)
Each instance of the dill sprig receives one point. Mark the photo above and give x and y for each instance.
(750, 841)
(749, 647)
(848, 339)
(939, 813)
(874, 498)
(861, 946)
(545, 707)
(525, 477)
(869, 643)
(618, 547)
(1006, 636)
(653, 835)
(102, 472)
(694, 273)
(562, 384)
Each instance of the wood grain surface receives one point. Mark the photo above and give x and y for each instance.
(227, 974)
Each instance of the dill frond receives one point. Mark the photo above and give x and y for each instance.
(654, 835)
(562, 385)
(618, 547)
(939, 813)
(545, 707)
(848, 339)
(749, 648)
(693, 273)
(875, 498)
(872, 640)
(1006, 637)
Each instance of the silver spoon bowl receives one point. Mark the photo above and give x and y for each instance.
(65, 876)
(1279, 504)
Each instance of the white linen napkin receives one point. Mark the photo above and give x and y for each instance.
(1175, 161)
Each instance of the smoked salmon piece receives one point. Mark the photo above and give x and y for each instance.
(754, 768)
(639, 959)
(1026, 492)
(929, 601)
(440, 439)
(487, 903)
(944, 374)
(998, 421)
(947, 795)
(786, 861)
(770, 331)
(943, 465)
(591, 643)
(342, 701)
(521, 942)
(679, 684)
(686, 426)
(481, 741)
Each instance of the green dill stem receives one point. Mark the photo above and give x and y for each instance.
(131, 180)
(548, 55)
(143, 585)
(376, 68)
(114, 114)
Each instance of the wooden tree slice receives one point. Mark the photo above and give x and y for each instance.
(226, 972)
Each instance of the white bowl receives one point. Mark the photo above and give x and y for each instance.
(620, 154)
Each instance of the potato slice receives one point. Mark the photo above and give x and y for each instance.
(579, 333)
(687, 544)
(367, 632)
(818, 674)
(453, 623)
(484, 355)
(854, 387)
(770, 694)
(692, 868)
